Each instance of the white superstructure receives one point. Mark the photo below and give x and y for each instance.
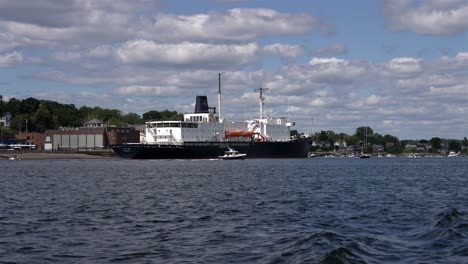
(205, 126)
(178, 132)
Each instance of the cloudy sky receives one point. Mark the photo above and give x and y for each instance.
(400, 66)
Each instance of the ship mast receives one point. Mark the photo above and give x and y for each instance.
(261, 99)
(219, 97)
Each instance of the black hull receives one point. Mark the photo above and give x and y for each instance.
(298, 148)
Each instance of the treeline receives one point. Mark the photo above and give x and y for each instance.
(38, 115)
(326, 141)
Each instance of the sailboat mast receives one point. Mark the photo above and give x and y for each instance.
(219, 97)
(365, 140)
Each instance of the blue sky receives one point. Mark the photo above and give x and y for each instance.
(401, 64)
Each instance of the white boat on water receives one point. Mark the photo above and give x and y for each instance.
(232, 154)
(453, 154)
(14, 157)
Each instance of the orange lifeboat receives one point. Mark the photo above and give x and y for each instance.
(238, 133)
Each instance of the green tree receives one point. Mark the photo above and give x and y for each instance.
(2, 106)
(376, 139)
(18, 122)
(67, 115)
(13, 107)
(116, 122)
(362, 132)
(465, 142)
(163, 115)
(351, 139)
(323, 136)
(29, 105)
(391, 144)
(294, 133)
(454, 145)
(152, 115)
(44, 120)
(132, 118)
(435, 143)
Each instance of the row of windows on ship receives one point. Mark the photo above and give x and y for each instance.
(178, 124)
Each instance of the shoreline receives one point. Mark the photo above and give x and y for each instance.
(42, 155)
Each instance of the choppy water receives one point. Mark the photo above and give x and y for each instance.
(252, 211)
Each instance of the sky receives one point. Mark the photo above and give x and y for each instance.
(398, 66)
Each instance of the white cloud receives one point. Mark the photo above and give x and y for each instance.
(405, 66)
(284, 50)
(148, 90)
(10, 59)
(373, 99)
(428, 17)
(334, 70)
(233, 25)
(186, 54)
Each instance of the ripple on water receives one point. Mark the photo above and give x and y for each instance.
(264, 211)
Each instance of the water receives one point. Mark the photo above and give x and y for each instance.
(387, 210)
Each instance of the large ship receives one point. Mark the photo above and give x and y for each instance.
(204, 134)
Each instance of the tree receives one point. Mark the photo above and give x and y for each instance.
(294, 133)
(29, 105)
(2, 107)
(454, 145)
(362, 132)
(18, 122)
(435, 143)
(152, 115)
(13, 106)
(164, 115)
(376, 139)
(323, 137)
(465, 142)
(44, 120)
(132, 118)
(116, 122)
(67, 114)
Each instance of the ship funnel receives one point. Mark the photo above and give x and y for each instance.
(201, 105)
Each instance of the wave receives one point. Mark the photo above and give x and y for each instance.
(450, 224)
(450, 217)
(448, 235)
(323, 247)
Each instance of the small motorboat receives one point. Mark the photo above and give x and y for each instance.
(232, 154)
(14, 157)
(365, 156)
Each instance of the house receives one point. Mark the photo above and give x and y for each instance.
(423, 146)
(377, 148)
(5, 120)
(94, 123)
(411, 146)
